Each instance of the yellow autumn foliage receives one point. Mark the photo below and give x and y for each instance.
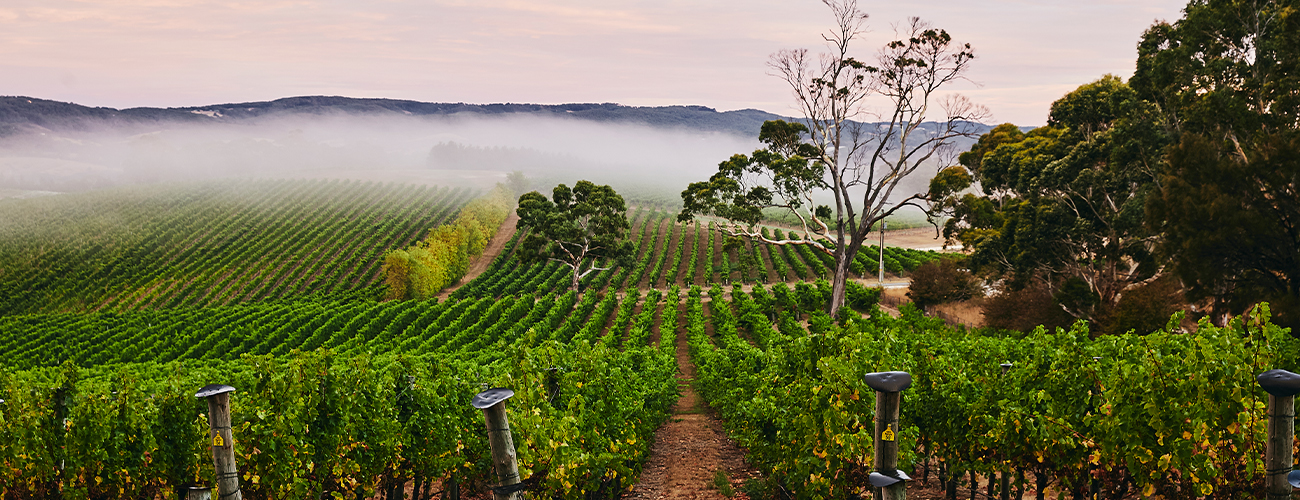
(422, 270)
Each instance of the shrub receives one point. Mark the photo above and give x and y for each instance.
(425, 268)
(1144, 309)
(941, 281)
(1024, 309)
(723, 483)
(809, 297)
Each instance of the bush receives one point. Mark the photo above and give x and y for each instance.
(723, 483)
(1024, 309)
(421, 270)
(809, 298)
(942, 281)
(1143, 309)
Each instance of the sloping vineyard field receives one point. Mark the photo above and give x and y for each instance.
(1175, 414)
(379, 401)
(340, 395)
(669, 253)
(207, 244)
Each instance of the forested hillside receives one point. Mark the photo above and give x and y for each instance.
(20, 114)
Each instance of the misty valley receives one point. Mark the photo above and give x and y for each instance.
(879, 291)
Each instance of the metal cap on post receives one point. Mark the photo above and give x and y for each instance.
(492, 402)
(223, 443)
(888, 483)
(1281, 386)
(881, 480)
(888, 381)
(1279, 382)
(198, 493)
(490, 397)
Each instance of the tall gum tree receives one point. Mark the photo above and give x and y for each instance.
(1226, 78)
(1063, 204)
(577, 227)
(832, 151)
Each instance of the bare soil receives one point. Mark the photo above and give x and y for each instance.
(717, 256)
(660, 311)
(920, 238)
(690, 448)
(674, 240)
(967, 312)
(765, 258)
(701, 266)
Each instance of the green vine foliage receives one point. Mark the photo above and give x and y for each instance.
(326, 425)
(1174, 413)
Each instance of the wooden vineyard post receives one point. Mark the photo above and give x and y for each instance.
(888, 483)
(1004, 486)
(223, 443)
(1281, 386)
(492, 402)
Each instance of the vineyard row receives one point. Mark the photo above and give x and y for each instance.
(668, 253)
(210, 244)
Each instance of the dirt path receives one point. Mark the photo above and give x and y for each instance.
(480, 264)
(690, 447)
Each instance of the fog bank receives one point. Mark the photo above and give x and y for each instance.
(644, 162)
(366, 146)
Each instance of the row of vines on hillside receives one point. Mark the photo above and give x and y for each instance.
(207, 244)
(471, 328)
(1176, 414)
(378, 402)
(667, 253)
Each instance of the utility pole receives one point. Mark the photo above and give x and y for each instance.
(883, 225)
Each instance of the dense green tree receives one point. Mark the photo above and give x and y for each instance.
(1226, 79)
(577, 227)
(1232, 228)
(1229, 70)
(830, 155)
(1063, 204)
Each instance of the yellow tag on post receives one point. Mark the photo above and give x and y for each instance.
(217, 441)
(887, 435)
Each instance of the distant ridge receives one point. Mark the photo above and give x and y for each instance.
(21, 114)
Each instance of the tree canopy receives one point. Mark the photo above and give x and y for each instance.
(1226, 79)
(1188, 170)
(577, 227)
(1063, 204)
(829, 155)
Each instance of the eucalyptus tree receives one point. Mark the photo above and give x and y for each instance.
(832, 151)
(1064, 204)
(577, 227)
(1226, 78)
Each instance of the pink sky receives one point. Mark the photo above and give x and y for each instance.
(126, 53)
